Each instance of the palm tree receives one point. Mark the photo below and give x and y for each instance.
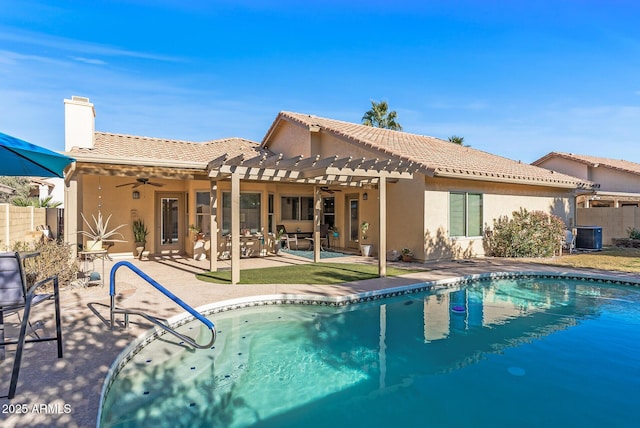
(380, 117)
(46, 202)
(456, 140)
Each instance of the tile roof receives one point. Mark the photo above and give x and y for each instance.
(619, 164)
(437, 157)
(120, 146)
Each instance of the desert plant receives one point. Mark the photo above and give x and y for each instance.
(55, 259)
(633, 233)
(100, 229)
(526, 234)
(140, 231)
(364, 228)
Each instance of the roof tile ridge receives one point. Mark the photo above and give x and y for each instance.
(142, 137)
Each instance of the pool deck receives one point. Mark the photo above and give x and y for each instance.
(66, 392)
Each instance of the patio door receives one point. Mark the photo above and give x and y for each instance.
(170, 213)
(352, 223)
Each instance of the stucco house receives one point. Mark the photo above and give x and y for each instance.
(613, 201)
(618, 181)
(414, 191)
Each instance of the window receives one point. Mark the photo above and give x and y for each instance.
(270, 212)
(296, 208)
(329, 211)
(465, 214)
(249, 212)
(203, 211)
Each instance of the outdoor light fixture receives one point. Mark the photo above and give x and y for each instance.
(135, 194)
(365, 196)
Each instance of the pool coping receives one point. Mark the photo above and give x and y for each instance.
(150, 335)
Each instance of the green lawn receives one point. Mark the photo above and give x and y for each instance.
(610, 258)
(313, 273)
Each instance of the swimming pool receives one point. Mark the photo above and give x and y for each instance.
(530, 351)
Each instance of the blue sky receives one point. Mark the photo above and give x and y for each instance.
(515, 78)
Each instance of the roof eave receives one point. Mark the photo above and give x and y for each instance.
(113, 160)
(498, 179)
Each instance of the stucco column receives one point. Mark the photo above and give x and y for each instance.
(382, 239)
(317, 210)
(213, 241)
(71, 212)
(235, 228)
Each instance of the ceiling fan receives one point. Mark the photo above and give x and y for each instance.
(140, 182)
(330, 191)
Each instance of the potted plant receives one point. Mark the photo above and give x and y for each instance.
(199, 250)
(140, 233)
(99, 232)
(197, 233)
(365, 249)
(278, 244)
(406, 254)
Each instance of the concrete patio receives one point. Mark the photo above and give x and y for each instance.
(65, 392)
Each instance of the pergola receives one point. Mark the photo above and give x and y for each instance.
(316, 171)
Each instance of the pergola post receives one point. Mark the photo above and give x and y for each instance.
(317, 212)
(382, 239)
(235, 228)
(72, 208)
(213, 210)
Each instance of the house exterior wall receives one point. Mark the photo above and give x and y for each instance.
(614, 180)
(100, 193)
(566, 166)
(329, 145)
(499, 199)
(290, 139)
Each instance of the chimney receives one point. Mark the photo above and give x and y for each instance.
(79, 123)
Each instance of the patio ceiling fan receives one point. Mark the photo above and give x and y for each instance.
(330, 191)
(140, 182)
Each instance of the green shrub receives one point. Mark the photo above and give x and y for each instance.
(633, 233)
(55, 258)
(526, 234)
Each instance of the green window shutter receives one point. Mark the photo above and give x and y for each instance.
(456, 214)
(474, 214)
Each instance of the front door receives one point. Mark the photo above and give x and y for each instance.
(169, 223)
(352, 234)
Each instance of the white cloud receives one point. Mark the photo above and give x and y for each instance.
(91, 61)
(22, 37)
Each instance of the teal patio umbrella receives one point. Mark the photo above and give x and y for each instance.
(18, 157)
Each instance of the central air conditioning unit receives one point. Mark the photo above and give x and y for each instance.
(589, 237)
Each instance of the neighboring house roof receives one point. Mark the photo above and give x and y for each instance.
(116, 148)
(618, 164)
(437, 157)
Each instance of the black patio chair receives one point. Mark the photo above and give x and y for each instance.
(16, 297)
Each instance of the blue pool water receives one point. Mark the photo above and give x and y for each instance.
(506, 353)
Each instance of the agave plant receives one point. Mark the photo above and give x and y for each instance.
(99, 230)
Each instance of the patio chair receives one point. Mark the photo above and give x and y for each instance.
(569, 241)
(16, 297)
(287, 238)
(324, 237)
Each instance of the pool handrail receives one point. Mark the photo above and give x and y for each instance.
(163, 290)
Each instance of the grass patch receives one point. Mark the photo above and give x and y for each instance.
(312, 273)
(610, 258)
